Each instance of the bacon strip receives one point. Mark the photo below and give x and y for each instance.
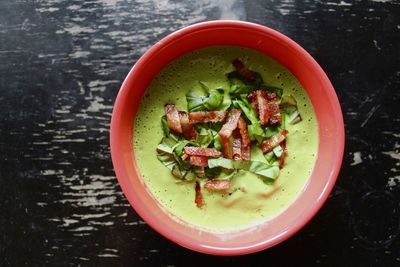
(237, 145)
(184, 156)
(274, 141)
(202, 151)
(284, 154)
(173, 120)
(252, 97)
(189, 132)
(242, 124)
(246, 152)
(271, 96)
(226, 131)
(207, 116)
(217, 185)
(266, 104)
(198, 197)
(275, 117)
(245, 72)
(263, 105)
(199, 161)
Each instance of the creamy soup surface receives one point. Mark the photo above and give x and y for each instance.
(250, 200)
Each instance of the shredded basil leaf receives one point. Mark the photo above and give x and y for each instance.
(247, 110)
(164, 125)
(205, 137)
(217, 140)
(167, 154)
(257, 167)
(256, 132)
(269, 156)
(194, 101)
(270, 131)
(212, 172)
(212, 101)
(277, 151)
(288, 105)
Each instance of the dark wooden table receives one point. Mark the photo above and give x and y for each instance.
(61, 65)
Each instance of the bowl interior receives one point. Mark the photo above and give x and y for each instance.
(287, 53)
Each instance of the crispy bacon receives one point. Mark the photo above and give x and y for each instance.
(266, 104)
(173, 120)
(189, 132)
(252, 97)
(274, 141)
(284, 154)
(207, 116)
(246, 152)
(263, 104)
(198, 197)
(226, 131)
(271, 96)
(242, 124)
(275, 117)
(202, 151)
(199, 161)
(217, 185)
(237, 145)
(245, 72)
(184, 156)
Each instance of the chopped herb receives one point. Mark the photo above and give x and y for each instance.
(215, 118)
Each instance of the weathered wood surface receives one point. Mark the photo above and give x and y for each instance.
(61, 65)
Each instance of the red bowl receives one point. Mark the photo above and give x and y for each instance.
(286, 52)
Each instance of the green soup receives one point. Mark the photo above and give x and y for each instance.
(250, 200)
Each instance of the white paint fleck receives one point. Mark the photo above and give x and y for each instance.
(97, 83)
(91, 216)
(68, 222)
(96, 105)
(111, 250)
(393, 154)
(73, 7)
(284, 11)
(109, 223)
(356, 159)
(48, 172)
(50, 9)
(382, 1)
(76, 29)
(370, 114)
(107, 255)
(79, 54)
(341, 3)
(393, 181)
(83, 229)
(116, 33)
(376, 44)
(77, 140)
(110, 2)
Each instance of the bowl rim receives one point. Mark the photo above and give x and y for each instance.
(116, 150)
